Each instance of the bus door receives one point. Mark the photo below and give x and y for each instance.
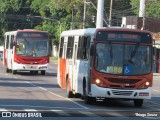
(5, 50)
(10, 51)
(74, 64)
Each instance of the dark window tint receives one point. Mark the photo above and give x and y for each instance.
(11, 42)
(7, 42)
(70, 47)
(83, 47)
(61, 47)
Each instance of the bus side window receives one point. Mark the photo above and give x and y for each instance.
(83, 47)
(86, 47)
(70, 47)
(61, 47)
(80, 47)
(12, 42)
(7, 42)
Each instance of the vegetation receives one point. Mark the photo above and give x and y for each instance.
(54, 59)
(152, 7)
(56, 16)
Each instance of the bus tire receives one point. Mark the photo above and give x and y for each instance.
(43, 72)
(7, 70)
(14, 71)
(138, 102)
(87, 99)
(68, 92)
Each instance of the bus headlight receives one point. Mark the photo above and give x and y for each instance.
(100, 83)
(145, 85)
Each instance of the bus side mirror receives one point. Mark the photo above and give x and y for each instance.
(92, 50)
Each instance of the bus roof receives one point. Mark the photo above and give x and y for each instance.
(91, 31)
(123, 29)
(24, 30)
(79, 32)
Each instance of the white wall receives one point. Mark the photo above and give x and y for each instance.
(54, 51)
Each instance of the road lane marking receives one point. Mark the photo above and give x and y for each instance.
(156, 90)
(44, 107)
(3, 109)
(33, 110)
(61, 112)
(89, 114)
(57, 95)
(156, 118)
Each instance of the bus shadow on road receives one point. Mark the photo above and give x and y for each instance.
(26, 73)
(20, 82)
(114, 103)
(51, 74)
(15, 79)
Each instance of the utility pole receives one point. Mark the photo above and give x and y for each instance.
(100, 13)
(110, 15)
(84, 14)
(142, 11)
(72, 20)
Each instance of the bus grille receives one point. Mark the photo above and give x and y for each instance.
(124, 93)
(124, 81)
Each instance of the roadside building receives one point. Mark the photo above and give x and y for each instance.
(156, 38)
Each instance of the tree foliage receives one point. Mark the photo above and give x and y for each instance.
(152, 7)
(56, 16)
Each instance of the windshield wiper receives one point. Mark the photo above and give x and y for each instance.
(134, 51)
(110, 50)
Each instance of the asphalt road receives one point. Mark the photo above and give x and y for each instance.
(26, 95)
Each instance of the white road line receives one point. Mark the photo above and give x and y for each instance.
(61, 112)
(3, 109)
(29, 110)
(90, 114)
(56, 95)
(45, 107)
(114, 114)
(156, 90)
(151, 118)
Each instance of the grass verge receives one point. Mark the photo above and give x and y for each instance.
(54, 59)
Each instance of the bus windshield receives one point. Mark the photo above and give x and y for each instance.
(123, 59)
(30, 47)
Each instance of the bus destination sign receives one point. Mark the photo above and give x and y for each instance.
(32, 35)
(123, 36)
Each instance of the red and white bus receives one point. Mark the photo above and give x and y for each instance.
(26, 50)
(106, 63)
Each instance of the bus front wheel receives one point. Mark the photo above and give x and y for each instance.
(138, 102)
(87, 99)
(7, 70)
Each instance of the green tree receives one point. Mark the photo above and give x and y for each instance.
(55, 16)
(152, 7)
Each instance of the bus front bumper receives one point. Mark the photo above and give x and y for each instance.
(25, 67)
(120, 93)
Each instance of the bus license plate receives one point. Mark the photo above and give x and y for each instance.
(31, 67)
